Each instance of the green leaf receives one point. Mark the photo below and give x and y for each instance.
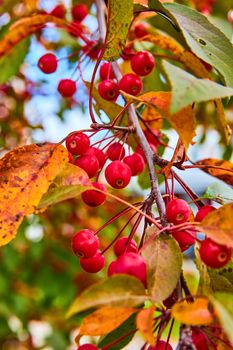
(117, 290)
(219, 192)
(121, 13)
(204, 286)
(68, 184)
(10, 63)
(205, 40)
(123, 329)
(164, 262)
(187, 89)
(223, 305)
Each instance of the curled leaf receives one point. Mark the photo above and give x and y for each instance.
(222, 169)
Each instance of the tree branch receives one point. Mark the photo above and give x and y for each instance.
(100, 8)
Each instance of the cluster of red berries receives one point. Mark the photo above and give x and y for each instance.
(79, 12)
(142, 64)
(214, 255)
(160, 345)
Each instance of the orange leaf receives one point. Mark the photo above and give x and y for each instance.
(25, 175)
(153, 118)
(222, 169)
(217, 225)
(145, 324)
(196, 313)
(182, 121)
(105, 320)
(25, 27)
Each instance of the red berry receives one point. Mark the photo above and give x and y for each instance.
(131, 84)
(121, 246)
(92, 49)
(106, 71)
(140, 30)
(202, 212)
(178, 211)
(67, 87)
(118, 174)
(142, 63)
(100, 155)
(93, 264)
(152, 136)
(88, 163)
(87, 347)
(108, 90)
(214, 255)
(48, 63)
(85, 243)
(199, 340)
(136, 163)
(70, 157)
(116, 151)
(79, 12)
(127, 53)
(94, 198)
(131, 264)
(161, 345)
(184, 239)
(140, 151)
(77, 143)
(58, 11)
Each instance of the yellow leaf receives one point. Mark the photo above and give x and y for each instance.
(182, 121)
(224, 128)
(194, 64)
(165, 43)
(222, 169)
(25, 175)
(25, 27)
(153, 118)
(145, 324)
(217, 225)
(31, 4)
(105, 320)
(195, 314)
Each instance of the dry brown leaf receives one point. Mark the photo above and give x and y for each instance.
(195, 314)
(25, 175)
(222, 169)
(105, 320)
(217, 225)
(145, 324)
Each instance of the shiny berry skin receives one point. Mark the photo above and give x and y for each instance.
(79, 12)
(116, 151)
(106, 71)
(214, 255)
(121, 246)
(58, 11)
(130, 264)
(118, 174)
(85, 243)
(161, 345)
(136, 163)
(94, 198)
(87, 347)
(184, 239)
(67, 87)
(100, 155)
(202, 212)
(70, 157)
(142, 63)
(48, 63)
(77, 143)
(140, 151)
(178, 211)
(152, 136)
(88, 163)
(93, 264)
(140, 30)
(199, 340)
(131, 84)
(108, 90)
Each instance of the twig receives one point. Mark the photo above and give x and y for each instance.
(100, 8)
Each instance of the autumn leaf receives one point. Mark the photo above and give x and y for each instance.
(145, 324)
(222, 169)
(183, 121)
(25, 175)
(25, 27)
(105, 320)
(196, 313)
(217, 225)
(153, 118)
